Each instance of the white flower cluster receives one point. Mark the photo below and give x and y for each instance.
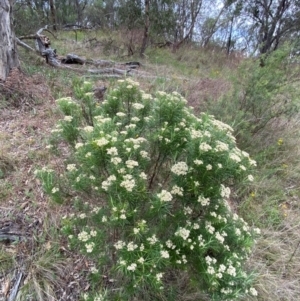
(78, 145)
(226, 291)
(119, 244)
(141, 260)
(131, 246)
(138, 106)
(165, 196)
(144, 154)
(128, 182)
(115, 160)
(225, 191)
(208, 167)
(205, 147)
(180, 168)
(187, 210)
(102, 141)
(253, 291)
(132, 82)
(132, 267)
(234, 157)
(135, 142)
(130, 126)
(203, 201)
(231, 271)
(220, 237)
(84, 236)
(209, 228)
(71, 167)
(198, 162)
(68, 118)
(101, 120)
(54, 190)
(196, 134)
(221, 146)
(183, 260)
(152, 240)
(183, 233)
(170, 244)
(164, 254)
(250, 178)
(143, 176)
(131, 164)
(106, 184)
(89, 247)
(159, 276)
(88, 129)
(221, 125)
(113, 151)
(146, 96)
(176, 190)
(135, 119)
(58, 129)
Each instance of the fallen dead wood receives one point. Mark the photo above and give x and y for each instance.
(15, 289)
(104, 76)
(73, 59)
(43, 48)
(109, 71)
(100, 63)
(19, 42)
(7, 235)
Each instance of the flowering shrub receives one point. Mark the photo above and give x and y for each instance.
(157, 179)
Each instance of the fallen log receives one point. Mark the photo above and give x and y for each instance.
(19, 42)
(9, 238)
(109, 71)
(43, 43)
(8, 234)
(104, 76)
(100, 63)
(73, 59)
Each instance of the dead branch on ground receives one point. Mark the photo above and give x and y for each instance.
(42, 44)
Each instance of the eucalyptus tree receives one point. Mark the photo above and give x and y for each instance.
(272, 21)
(8, 50)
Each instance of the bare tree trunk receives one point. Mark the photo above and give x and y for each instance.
(146, 28)
(53, 13)
(8, 48)
(229, 40)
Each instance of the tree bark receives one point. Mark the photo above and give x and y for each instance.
(146, 28)
(8, 48)
(53, 13)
